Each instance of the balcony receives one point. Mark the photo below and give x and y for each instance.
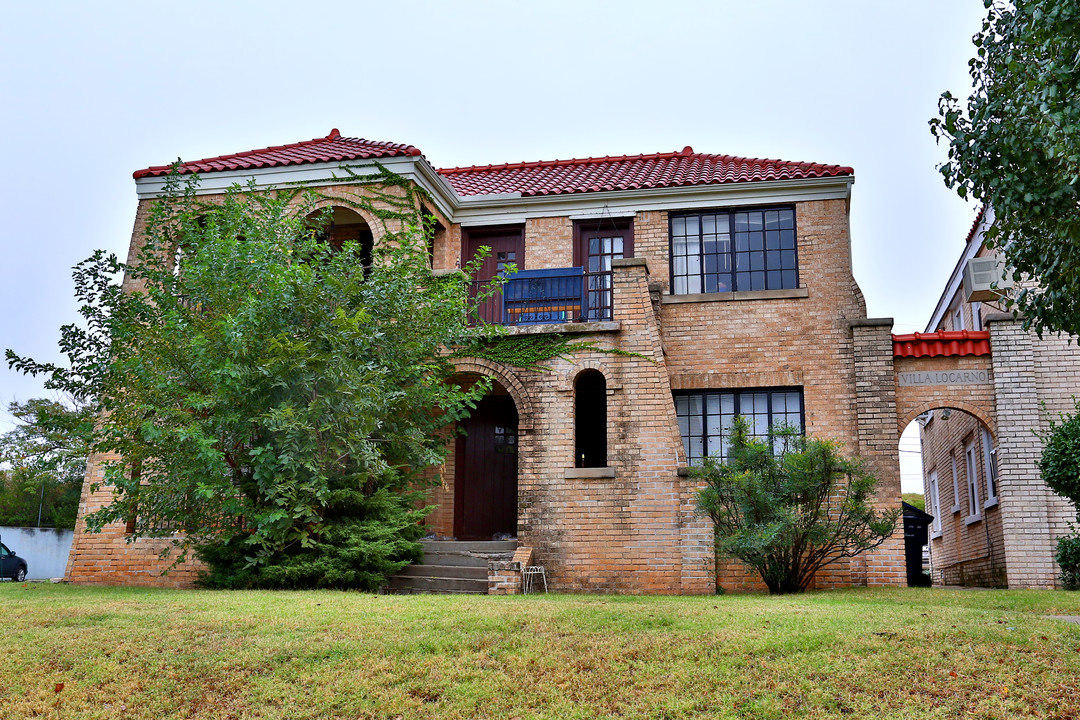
(541, 297)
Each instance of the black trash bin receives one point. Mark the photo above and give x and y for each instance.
(916, 537)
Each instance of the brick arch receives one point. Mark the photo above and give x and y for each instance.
(571, 375)
(974, 398)
(513, 384)
(977, 412)
(376, 227)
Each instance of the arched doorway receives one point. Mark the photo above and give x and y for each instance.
(338, 225)
(950, 456)
(486, 466)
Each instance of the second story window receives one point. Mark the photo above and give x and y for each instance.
(733, 250)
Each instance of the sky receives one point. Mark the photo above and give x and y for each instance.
(95, 91)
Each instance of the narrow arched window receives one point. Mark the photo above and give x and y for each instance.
(590, 420)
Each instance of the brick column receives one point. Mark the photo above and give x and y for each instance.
(1029, 545)
(875, 393)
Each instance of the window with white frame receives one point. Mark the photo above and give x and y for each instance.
(990, 464)
(976, 316)
(972, 480)
(958, 318)
(705, 417)
(955, 483)
(935, 504)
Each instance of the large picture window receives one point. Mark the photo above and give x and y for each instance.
(733, 250)
(705, 417)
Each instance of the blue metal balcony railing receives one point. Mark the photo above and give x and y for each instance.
(560, 295)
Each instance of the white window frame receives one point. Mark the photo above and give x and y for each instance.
(976, 316)
(958, 318)
(935, 504)
(990, 469)
(955, 484)
(971, 465)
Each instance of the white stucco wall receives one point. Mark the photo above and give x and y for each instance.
(44, 549)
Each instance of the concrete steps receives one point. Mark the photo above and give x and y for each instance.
(452, 566)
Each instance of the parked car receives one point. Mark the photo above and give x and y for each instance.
(11, 565)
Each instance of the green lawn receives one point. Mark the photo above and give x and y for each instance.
(128, 653)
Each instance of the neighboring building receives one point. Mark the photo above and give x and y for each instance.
(729, 282)
(995, 523)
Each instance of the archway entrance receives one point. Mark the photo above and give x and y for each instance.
(485, 483)
(958, 475)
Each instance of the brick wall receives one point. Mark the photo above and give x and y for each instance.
(636, 529)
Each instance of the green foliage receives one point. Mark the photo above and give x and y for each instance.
(529, 351)
(1068, 559)
(1016, 148)
(269, 396)
(1060, 461)
(790, 512)
(44, 462)
(915, 500)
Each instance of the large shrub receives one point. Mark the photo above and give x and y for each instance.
(790, 505)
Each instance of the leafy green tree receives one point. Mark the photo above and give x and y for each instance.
(1016, 148)
(44, 461)
(789, 512)
(275, 399)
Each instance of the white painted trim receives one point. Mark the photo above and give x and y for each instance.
(970, 519)
(316, 175)
(493, 209)
(957, 277)
(497, 209)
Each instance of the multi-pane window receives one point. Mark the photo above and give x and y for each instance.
(935, 502)
(705, 417)
(973, 484)
(602, 249)
(725, 251)
(990, 461)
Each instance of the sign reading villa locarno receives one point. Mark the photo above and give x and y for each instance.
(944, 377)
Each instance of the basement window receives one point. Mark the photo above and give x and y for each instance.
(590, 420)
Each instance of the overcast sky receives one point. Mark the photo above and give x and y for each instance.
(93, 91)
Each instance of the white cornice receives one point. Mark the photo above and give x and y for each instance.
(496, 209)
(473, 210)
(975, 242)
(412, 168)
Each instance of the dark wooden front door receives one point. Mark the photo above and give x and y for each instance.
(485, 482)
(507, 247)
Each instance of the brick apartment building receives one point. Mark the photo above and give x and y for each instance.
(730, 281)
(996, 523)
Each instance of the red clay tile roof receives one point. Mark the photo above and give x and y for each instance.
(554, 177)
(943, 343)
(332, 148)
(628, 172)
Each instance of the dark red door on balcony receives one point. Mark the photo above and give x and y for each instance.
(485, 471)
(507, 247)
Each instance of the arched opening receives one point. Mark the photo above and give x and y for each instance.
(338, 225)
(485, 469)
(590, 419)
(948, 460)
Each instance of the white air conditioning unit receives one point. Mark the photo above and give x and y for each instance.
(985, 279)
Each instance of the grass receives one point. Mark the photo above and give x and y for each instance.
(136, 653)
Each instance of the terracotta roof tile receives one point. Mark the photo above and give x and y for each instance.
(554, 177)
(628, 172)
(332, 148)
(943, 343)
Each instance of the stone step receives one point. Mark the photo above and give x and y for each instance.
(446, 571)
(405, 584)
(470, 546)
(455, 560)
